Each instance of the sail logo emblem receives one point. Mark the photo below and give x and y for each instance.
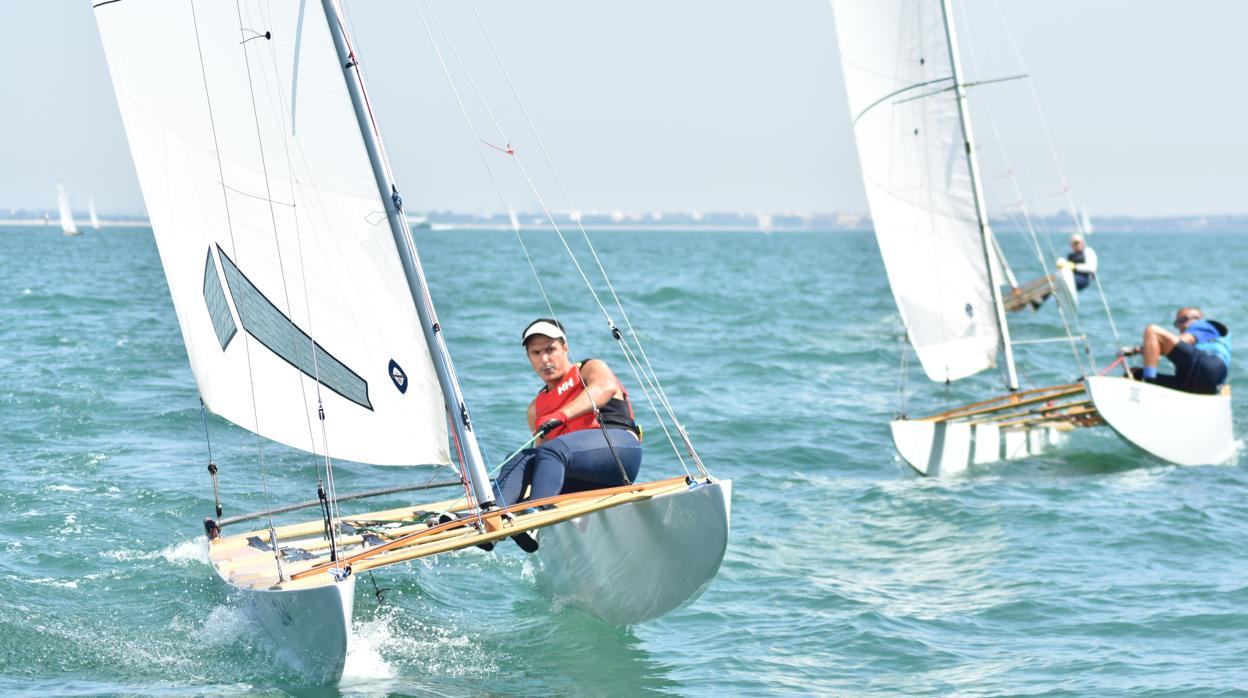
(970, 310)
(398, 376)
(565, 386)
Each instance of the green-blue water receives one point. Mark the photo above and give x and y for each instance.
(1091, 571)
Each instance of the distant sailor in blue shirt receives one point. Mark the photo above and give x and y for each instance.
(1201, 353)
(1081, 261)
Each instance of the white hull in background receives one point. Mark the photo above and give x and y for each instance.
(939, 449)
(638, 561)
(310, 629)
(1067, 291)
(1177, 427)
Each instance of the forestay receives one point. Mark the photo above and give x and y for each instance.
(274, 240)
(899, 77)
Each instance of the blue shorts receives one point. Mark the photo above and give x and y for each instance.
(1195, 371)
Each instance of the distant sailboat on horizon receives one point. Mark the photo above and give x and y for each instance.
(95, 219)
(67, 214)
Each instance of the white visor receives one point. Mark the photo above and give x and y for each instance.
(546, 329)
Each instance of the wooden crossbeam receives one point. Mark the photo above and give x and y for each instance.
(1085, 416)
(243, 564)
(999, 418)
(1022, 296)
(1005, 402)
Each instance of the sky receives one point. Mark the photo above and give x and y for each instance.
(704, 105)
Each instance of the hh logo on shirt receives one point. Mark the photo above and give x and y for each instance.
(565, 386)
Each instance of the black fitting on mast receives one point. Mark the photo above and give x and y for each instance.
(329, 523)
(216, 496)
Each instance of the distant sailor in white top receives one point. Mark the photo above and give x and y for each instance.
(1081, 261)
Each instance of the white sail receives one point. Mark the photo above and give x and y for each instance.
(911, 147)
(67, 213)
(1085, 223)
(267, 216)
(95, 219)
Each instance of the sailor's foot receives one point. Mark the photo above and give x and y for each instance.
(1131, 351)
(527, 541)
(447, 517)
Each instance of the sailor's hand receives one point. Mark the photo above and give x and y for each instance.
(550, 422)
(1065, 264)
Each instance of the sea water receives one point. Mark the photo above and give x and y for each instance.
(1092, 570)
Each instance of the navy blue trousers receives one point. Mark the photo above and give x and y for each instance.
(571, 463)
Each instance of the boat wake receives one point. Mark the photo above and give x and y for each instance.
(395, 638)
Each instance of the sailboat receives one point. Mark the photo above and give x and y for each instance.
(307, 320)
(67, 214)
(1085, 223)
(95, 219)
(911, 119)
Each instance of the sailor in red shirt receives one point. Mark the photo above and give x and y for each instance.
(586, 435)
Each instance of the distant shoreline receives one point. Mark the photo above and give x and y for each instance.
(732, 222)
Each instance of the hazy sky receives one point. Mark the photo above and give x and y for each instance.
(706, 105)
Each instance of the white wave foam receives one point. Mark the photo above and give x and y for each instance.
(181, 554)
(65, 488)
(45, 581)
(364, 658)
(226, 624)
(187, 552)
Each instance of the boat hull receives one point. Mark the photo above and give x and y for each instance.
(638, 561)
(939, 448)
(1067, 291)
(1177, 427)
(310, 628)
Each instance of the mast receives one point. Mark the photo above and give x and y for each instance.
(980, 210)
(451, 393)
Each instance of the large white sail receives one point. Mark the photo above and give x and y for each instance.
(67, 213)
(273, 237)
(911, 146)
(95, 218)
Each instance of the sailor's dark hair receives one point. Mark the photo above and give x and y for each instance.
(552, 321)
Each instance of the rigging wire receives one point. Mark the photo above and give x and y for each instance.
(510, 151)
(442, 356)
(651, 375)
(1027, 220)
(330, 493)
(1061, 172)
(264, 485)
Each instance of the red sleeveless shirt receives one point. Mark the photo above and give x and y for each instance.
(616, 413)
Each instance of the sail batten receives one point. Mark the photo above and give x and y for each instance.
(916, 172)
(289, 289)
